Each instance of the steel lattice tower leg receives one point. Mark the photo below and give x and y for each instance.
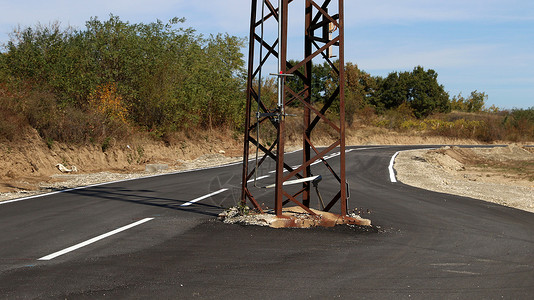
(323, 35)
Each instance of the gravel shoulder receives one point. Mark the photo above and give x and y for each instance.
(502, 175)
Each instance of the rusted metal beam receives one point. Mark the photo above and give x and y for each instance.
(318, 17)
(308, 106)
(279, 181)
(307, 80)
(246, 142)
(343, 183)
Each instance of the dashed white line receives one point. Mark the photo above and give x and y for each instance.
(461, 272)
(95, 239)
(450, 264)
(259, 178)
(203, 197)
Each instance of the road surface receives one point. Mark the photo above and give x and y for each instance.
(158, 238)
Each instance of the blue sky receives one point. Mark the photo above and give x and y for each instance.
(483, 45)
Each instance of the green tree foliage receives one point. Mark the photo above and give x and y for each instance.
(416, 93)
(359, 85)
(475, 102)
(113, 75)
(4, 71)
(167, 77)
(391, 92)
(426, 95)
(360, 88)
(418, 89)
(321, 76)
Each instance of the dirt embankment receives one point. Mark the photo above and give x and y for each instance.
(503, 175)
(30, 164)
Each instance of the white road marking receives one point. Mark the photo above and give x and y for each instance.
(259, 178)
(290, 182)
(203, 197)
(95, 239)
(461, 272)
(450, 264)
(390, 168)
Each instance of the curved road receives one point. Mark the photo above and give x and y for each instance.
(157, 238)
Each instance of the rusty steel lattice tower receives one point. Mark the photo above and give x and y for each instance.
(323, 37)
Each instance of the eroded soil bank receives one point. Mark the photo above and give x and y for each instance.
(31, 164)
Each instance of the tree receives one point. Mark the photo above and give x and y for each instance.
(418, 89)
(360, 89)
(475, 102)
(167, 77)
(392, 91)
(425, 94)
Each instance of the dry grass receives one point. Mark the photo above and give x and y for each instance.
(521, 170)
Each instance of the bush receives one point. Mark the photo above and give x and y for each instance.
(520, 124)
(475, 102)
(12, 124)
(156, 76)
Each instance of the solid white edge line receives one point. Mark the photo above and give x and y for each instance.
(203, 197)
(95, 239)
(390, 168)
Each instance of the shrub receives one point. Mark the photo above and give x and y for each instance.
(12, 124)
(157, 76)
(106, 101)
(520, 124)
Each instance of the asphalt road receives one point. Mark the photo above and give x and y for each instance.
(144, 239)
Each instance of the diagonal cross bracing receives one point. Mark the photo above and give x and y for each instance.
(323, 33)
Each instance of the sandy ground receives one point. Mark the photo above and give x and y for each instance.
(502, 175)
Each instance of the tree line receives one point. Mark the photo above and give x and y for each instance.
(157, 77)
(417, 90)
(113, 77)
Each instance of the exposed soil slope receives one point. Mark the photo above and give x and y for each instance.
(30, 164)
